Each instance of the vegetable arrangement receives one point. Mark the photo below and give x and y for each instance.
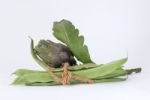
(60, 65)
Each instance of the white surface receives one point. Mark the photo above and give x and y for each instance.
(111, 29)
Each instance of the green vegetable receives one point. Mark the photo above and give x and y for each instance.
(75, 82)
(103, 70)
(54, 54)
(44, 77)
(35, 57)
(99, 70)
(98, 73)
(45, 66)
(73, 68)
(68, 34)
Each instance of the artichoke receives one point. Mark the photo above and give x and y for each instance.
(54, 54)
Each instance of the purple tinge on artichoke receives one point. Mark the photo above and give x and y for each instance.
(54, 54)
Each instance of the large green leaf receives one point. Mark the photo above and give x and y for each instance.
(68, 34)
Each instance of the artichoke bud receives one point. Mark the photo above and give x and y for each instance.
(54, 54)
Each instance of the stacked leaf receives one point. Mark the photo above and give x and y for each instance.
(68, 34)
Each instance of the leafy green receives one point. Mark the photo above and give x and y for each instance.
(68, 34)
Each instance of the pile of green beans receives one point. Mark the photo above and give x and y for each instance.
(109, 72)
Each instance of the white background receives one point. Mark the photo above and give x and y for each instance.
(111, 29)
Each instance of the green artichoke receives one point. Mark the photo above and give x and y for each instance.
(54, 54)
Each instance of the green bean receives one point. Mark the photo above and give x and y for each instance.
(75, 82)
(20, 72)
(103, 70)
(38, 77)
(116, 73)
(33, 77)
(100, 73)
(42, 84)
